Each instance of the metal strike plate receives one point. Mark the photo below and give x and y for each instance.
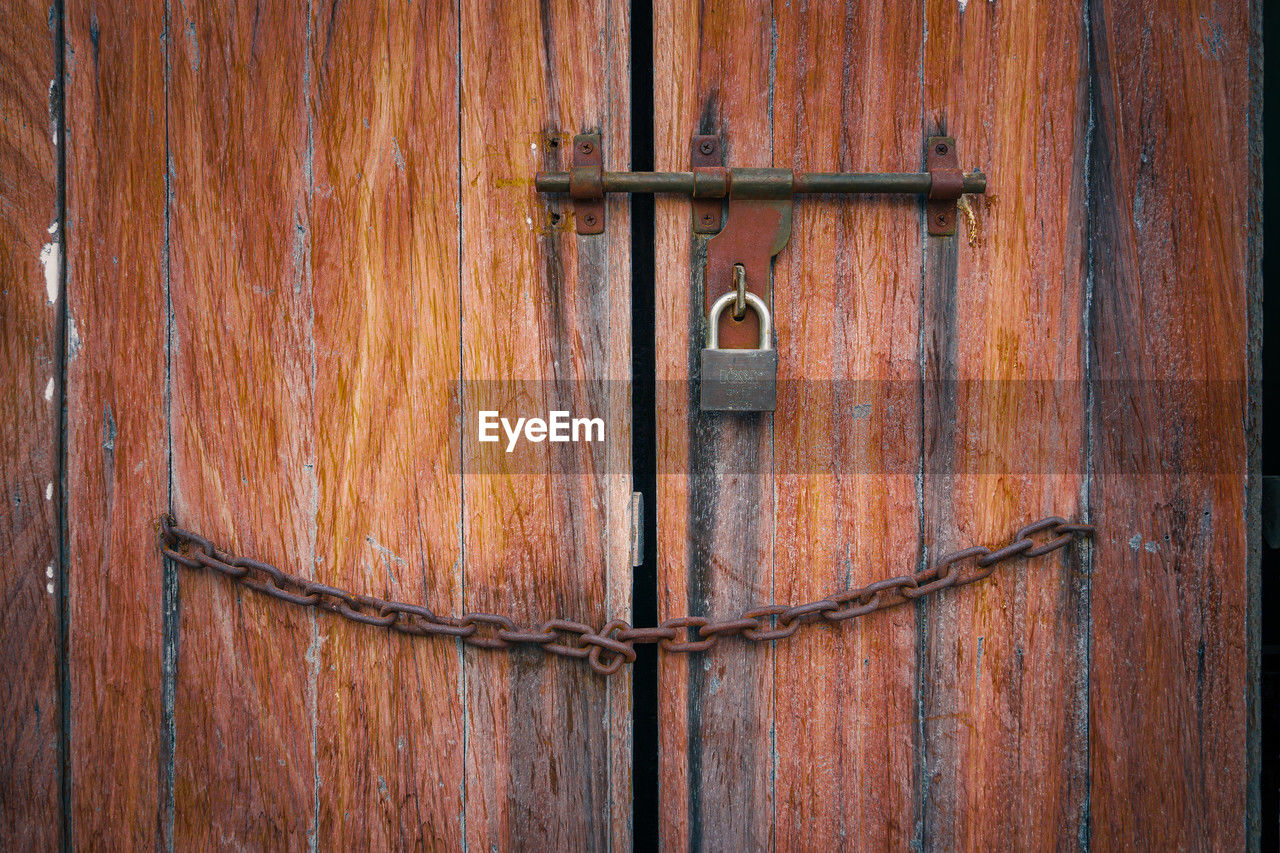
(708, 213)
(585, 184)
(946, 186)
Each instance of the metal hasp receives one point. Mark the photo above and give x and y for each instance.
(758, 225)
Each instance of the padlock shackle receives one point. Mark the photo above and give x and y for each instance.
(755, 303)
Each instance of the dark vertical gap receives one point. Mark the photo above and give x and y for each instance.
(58, 107)
(644, 451)
(1084, 833)
(169, 595)
(1269, 568)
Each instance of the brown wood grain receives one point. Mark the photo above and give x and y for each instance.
(30, 401)
(1003, 681)
(244, 448)
(847, 431)
(716, 490)
(384, 243)
(545, 325)
(1174, 268)
(117, 437)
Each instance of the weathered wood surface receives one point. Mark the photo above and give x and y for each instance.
(117, 467)
(30, 403)
(1174, 330)
(284, 342)
(244, 451)
(384, 256)
(1003, 697)
(939, 727)
(545, 319)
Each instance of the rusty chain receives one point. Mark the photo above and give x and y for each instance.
(613, 645)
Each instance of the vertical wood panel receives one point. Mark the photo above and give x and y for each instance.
(715, 476)
(384, 250)
(847, 431)
(1172, 187)
(117, 480)
(544, 312)
(244, 454)
(30, 258)
(1003, 669)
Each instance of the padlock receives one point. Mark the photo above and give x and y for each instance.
(739, 380)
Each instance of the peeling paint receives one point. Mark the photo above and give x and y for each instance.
(73, 338)
(51, 260)
(48, 492)
(48, 391)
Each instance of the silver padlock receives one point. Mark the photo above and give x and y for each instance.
(739, 380)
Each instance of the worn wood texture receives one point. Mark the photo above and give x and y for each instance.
(244, 451)
(1172, 188)
(30, 404)
(545, 325)
(384, 247)
(1019, 690)
(1003, 683)
(716, 494)
(117, 436)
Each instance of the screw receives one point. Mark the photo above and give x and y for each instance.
(941, 148)
(589, 219)
(942, 219)
(707, 146)
(706, 217)
(586, 147)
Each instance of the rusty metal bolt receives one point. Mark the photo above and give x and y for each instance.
(589, 219)
(942, 219)
(706, 147)
(706, 217)
(941, 149)
(586, 147)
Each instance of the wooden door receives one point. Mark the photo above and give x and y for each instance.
(262, 266)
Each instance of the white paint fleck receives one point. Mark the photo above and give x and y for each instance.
(1150, 547)
(73, 338)
(49, 572)
(528, 221)
(53, 227)
(48, 390)
(963, 4)
(1136, 542)
(51, 259)
(48, 492)
(48, 588)
(533, 146)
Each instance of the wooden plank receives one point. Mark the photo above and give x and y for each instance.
(1003, 695)
(715, 499)
(384, 249)
(117, 458)
(30, 467)
(1173, 189)
(847, 431)
(545, 326)
(243, 448)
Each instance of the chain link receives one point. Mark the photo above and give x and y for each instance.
(609, 648)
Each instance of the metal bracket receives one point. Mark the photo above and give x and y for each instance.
(946, 185)
(706, 152)
(758, 227)
(586, 186)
